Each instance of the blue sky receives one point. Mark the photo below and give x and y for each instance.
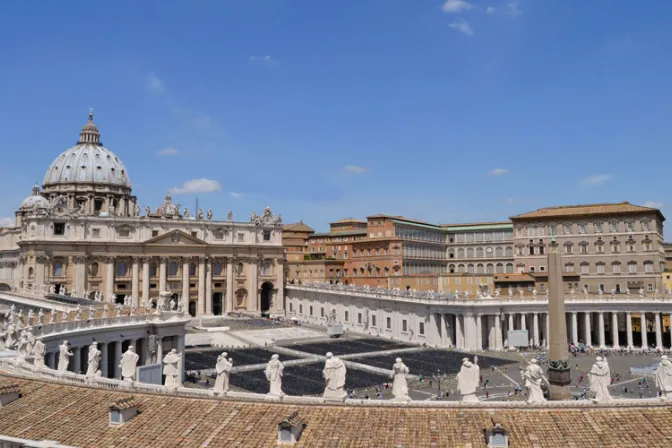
(446, 111)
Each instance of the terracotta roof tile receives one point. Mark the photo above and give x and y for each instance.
(586, 210)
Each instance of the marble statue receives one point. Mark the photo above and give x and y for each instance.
(522, 293)
(129, 361)
(533, 377)
(93, 362)
(106, 311)
(273, 374)
(30, 341)
(39, 352)
(600, 292)
(74, 292)
(171, 369)
(10, 336)
(92, 312)
(399, 384)
(86, 293)
(172, 304)
(112, 297)
(52, 289)
(119, 308)
(663, 376)
(467, 381)
(31, 316)
(136, 210)
(64, 355)
(599, 379)
(627, 291)
(510, 294)
(209, 215)
(534, 292)
(40, 317)
(186, 214)
(148, 210)
(585, 291)
(229, 216)
(111, 210)
(334, 377)
(223, 369)
(52, 314)
(22, 344)
(133, 310)
(498, 292)
(78, 312)
(641, 292)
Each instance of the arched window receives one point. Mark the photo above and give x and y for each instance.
(30, 272)
(490, 268)
(509, 251)
(460, 268)
(480, 269)
(172, 269)
(499, 269)
(470, 253)
(57, 269)
(460, 253)
(632, 267)
(569, 267)
(479, 252)
(470, 268)
(509, 268)
(94, 269)
(616, 267)
(451, 268)
(499, 252)
(122, 268)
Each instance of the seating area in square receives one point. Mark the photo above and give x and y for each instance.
(207, 358)
(349, 346)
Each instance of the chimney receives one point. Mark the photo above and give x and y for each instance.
(289, 430)
(122, 411)
(8, 392)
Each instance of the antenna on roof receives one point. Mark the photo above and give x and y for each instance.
(196, 208)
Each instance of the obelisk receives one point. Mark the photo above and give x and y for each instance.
(558, 355)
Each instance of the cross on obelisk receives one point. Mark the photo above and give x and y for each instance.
(558, 355)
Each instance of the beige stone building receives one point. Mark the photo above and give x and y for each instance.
(85, 231)
(606, 246)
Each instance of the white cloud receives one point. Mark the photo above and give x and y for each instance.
(202, 122)
(499, 171)
(653, 204)
(510, 200)
(513, 8)
(197, 186)
(596, 179)
(456, 6)
(235, 195)
(7, 222)
(490, 10)
(155, 84)
(462, 26)
(167, 152)
(355, 169)
(267, 60)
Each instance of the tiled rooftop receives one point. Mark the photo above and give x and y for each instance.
(583, 210)
(78, 416)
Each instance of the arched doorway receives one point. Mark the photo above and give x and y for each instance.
(217, 304)
(192, 308)
(119, 298)
(5, 287)
(266, 297)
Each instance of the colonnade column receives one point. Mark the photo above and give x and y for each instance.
(201, 286)
(628, 329)
(479, 332)
(444, 329)
(117, 359)
(586, 321)
(253, 296)
(135, 279)
(162, 274)
(76, 359)
(642, 329)
(498, 332)
(109, 278)
(670, 317)
(145, 279)
(575, 329)
(229, 285)
(459, 339)
(185, 283)
(208, 286)
(547, 341)
(103, 347)
(600, 329)
(511, 327)
(180, 350)
(659, 331)
(159, 350)
(535, 329)
(614, 330)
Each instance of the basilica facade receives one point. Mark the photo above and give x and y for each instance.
(85, 231)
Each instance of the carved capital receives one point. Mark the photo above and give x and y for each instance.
(42, 259)
(23, 259)
(79, 259)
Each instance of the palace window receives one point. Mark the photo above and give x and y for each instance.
(359, 318)
(373, 320)
(404, 325)
(267, 235)
(95, 233)
(57, 269)
(421, 328)
(645, 226)
(600, 268)
(122, 269)
(598, 227)
(648, 267)
(613, 227)
(124, 232)
(94, 269)
(266, 269)
(582, 228)
(172, 269)
(585, 268)
(241, 237)
(155, 233)
(616, 267)
(217, 268)
(567, 228)
(152, 270)
(59, 228)
(632, 267)
(389, 323)
(629, 227)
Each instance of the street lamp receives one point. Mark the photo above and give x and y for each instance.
(438, 381)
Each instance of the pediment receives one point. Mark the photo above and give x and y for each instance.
(175, 238)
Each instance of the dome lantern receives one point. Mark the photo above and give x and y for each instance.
(89, 134)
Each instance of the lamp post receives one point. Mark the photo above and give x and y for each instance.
(438, 382)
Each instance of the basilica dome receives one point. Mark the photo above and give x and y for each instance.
(88, 162)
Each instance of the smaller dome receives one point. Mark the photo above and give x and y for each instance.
(35, 200)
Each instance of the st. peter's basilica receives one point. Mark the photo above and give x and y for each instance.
(84, 233)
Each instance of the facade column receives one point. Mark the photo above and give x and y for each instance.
(479, 332)
(145, 279)
(659, 332)
(575, 329)
(104, 348)
(586, 321)
(185, 283)
(229, 285)
(159, 350)
(180, 350)
(498, 332)
(117, 359)
(135, 280)
(208, 287)
(444, 329)
(459, 339)
(628, 329)
(535, 330)
(77, 359)
(253, 296)
(670, 317)
(642, 329)
(40, 262)
(109, 278)
(162, 274)
(201, 286)
(614, 330)
(511, 328)
(600, 329)
(547, 326)
(80, 275)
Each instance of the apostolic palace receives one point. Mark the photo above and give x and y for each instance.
(85, 233)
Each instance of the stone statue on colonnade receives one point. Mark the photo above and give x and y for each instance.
(599, 379)
(399, 384)
(64, 355)
(274, 371)
(467, 381)
(93, 361)
(223, 369)
(171, 369)
(663, 376)
(39, 352)
(129, 361)
(533, 377)
(334, 377)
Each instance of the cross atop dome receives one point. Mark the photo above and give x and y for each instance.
(89, 134)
